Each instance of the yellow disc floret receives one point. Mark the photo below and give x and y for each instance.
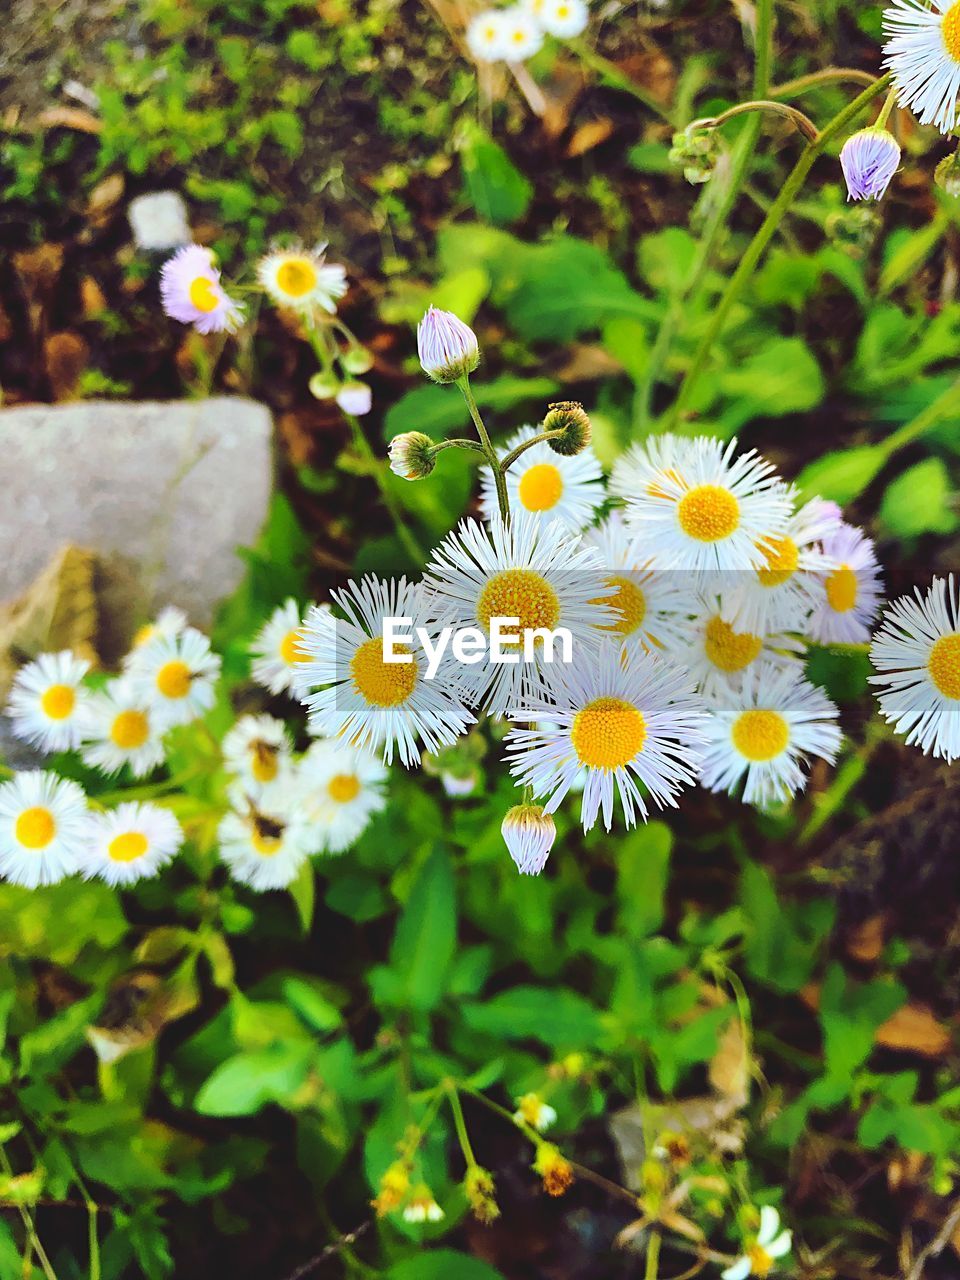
(203, 295)
(173, 679)
(264, 764)
(58, 701)
(608, 733)
(290, 651)
(760, 734)
(541, 487)
(127, 847)
(379, 683)
(944, 665)
(519, 593)
(730, 650)
(343, 787)
(783, 558)
(35, 828)
(708, 513)
(951, 32)
(130, 729)
(628, 601)
(296, 277)
(842, 589)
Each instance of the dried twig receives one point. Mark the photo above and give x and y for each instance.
(937, 1244)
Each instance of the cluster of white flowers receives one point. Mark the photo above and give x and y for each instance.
(283, 807)
(517, 33)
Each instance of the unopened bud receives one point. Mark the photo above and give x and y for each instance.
(411, 455)
(570, 418)
(869, 159)
(529, 834)
(324, 386)
(947, 174)
(697, 154)
(448, 348)
(532, 1110)
(355, 398)
(554, 1168)
(357, 360)
(478, 1188)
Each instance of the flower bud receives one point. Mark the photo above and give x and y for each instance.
(324, 386)
(570, 418)
(532, 1110)
(947, 174)
(411, 455)
(356, 360)
(529, 834)
(448, 348)
(869, 159)
(422, 1207)
(393, 1188)
(696, 153)
(355, 398)
(478, 1188)
(554, 1168)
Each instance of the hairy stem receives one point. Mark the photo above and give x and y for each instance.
(491, 454)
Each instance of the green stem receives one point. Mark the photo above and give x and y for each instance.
(830, 75)
(802, 122)
(931, 416)
(615, 78)
(457, 443)
(377, 468)
(460, 1125)
(884, 116)
(487, 445)
(653, 1256)
(33, 1239)
(528, 1131)
(543, 438)
(757, 246)
(763, 58)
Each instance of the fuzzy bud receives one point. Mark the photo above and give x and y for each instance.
(869, 159)
(448, 348)
(478, 1188)
(357, 360)
(947, 174)
(697, 154)
(393, 1188)
(529, 834)
(324, 386)
(570, 418)
(411, 455)
(554, 1168)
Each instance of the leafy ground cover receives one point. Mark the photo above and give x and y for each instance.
(769, 1000)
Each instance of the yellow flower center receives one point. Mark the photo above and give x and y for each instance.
(203, 295)
(842, 589)
(129, 730)
(263, 764)
(783, 559)
(296, 277)
(58, 701)
(35, 828)
(760, 735)
(761, 1264)
(382, 684)
(562, 11)
(730, 650)
(519, 37)
(607, 733)
(629, 602)
(708, 513)
(519, 593)
(173, 679)
(290, 651)
(144, 633)
(951, 32)
(541, 487)
(944, 665)
(127, 847)
(343, 787)
(266, 845)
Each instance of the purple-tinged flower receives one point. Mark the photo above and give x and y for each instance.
(355, 398)
(448, 348)
(529, 834)
(869, 160)
(191, 292)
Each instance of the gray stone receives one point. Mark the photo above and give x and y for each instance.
(164, 493)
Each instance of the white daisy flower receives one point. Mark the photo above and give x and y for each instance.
(545, 483)
(718, 513)
(626, 717)
(563, 19)
(849, 596)
(342, 787)
(388, 706)
(169, 622)
(48, 701)
(522, 34)
(301, 278)
(532, 1110)
(634, 472)
(923, 53)
(121, 731)
(130, 843)
(486, 36)
(917, 654)
(275, 649)
(175, 675)
(765, 731)
(532, 570)
(422, 1207)
(652, 607)
(529, 833)
(265, 845)
(770, 1245)
(717, 655)
(257, 752)
(43, 826)
(781, 595)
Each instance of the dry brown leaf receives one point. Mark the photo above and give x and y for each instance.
(729, 1071)
(69, 118)
(104, 198)
(587, 364)
(39, 268)
(59, 611)
(589, 135)
(92, 298)
(66, 355)
(867, 940)
(914, 1029)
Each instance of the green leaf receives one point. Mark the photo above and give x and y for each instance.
(643, 866)
(850, 1014)
(443, 1264)
(357, 897)
(302, 892)
(781, 943)
(781, 378)
(842, 476)
(246, 1082)
(665, 259)
(493, 185)
(918, 501)
(313, 1007)
(557, 1017)
(426, 935)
